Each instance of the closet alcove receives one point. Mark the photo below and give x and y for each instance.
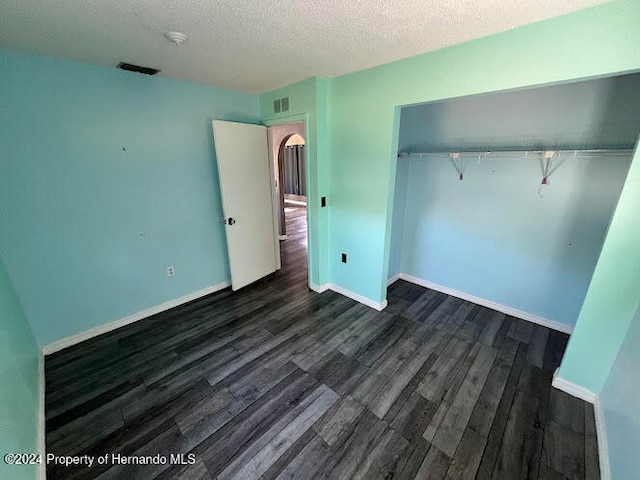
(505, 198)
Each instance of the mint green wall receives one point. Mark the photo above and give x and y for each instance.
(106, 178)
(363, 114)
(398, 219)
(18, 382)
(613, 296)
(620, 398)
(308, 102)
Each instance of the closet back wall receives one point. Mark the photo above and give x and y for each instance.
(106, 178)
(493, 237)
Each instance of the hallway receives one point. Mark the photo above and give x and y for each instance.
(294, 248)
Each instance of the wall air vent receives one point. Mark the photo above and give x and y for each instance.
(281, 105)
(137, 68)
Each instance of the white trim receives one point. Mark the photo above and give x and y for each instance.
(295, 202)
(358, 298)
(107, 327)
(275, 202)
(573, 389)
(282, 237)
(601, 426)
(393, 279)
(41, 473)
(319, 288)
(603, 444)
(348, 293)
(545, 322)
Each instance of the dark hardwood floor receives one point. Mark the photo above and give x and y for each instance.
(276, 381)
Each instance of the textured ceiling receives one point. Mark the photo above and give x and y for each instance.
(259, 45)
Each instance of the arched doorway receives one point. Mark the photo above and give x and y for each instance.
(292, 173)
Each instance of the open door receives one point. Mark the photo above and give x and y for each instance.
(247, 200)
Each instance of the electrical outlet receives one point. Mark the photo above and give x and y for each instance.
(344, 258)
(171, 271)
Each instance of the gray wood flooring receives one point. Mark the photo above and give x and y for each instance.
(276, 381)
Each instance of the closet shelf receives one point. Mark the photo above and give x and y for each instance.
(618, 152)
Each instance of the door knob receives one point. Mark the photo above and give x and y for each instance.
(231, 221)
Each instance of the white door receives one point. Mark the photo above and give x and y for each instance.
(247, 200)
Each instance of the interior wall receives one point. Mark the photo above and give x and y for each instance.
(398, 225)
(19, 356)
(494, 237)
(277, 134)
(362, 138)
(612, 299)
(108, 177)
(362, 116)
(620, 399)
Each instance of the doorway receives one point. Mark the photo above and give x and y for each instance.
(290, 167)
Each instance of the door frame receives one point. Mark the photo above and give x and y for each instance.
(311, 192)
(283, 223)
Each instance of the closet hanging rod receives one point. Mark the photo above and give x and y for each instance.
(607, 152)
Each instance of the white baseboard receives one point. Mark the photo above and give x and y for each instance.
(41, 473)
(545, 322)
(603, 444)
(601, 427)
(393, 279)
(358, 298)
(573, 389)
(107, 327)
(319, 288)
(348, 293)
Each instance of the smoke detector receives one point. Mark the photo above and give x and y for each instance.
(176, 37)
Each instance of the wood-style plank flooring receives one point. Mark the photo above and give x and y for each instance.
(276, 381)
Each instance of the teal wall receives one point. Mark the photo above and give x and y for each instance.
(308, 102)
(492, 235)
(620, 399)
(18, 382)
(613, 296)
(363, 113)
(106, 178)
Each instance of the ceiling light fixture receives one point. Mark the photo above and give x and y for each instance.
(176, 37)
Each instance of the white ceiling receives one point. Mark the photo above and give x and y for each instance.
(259, 45)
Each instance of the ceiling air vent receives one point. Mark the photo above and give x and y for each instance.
(276, 106)
(137, 68)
